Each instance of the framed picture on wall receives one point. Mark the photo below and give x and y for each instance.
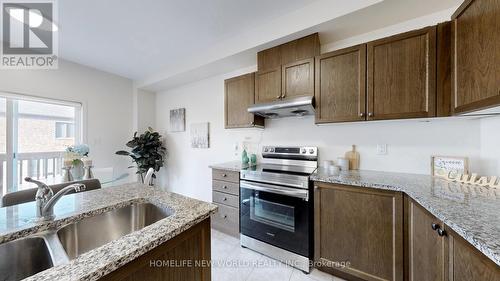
(441, 166)
(199, 135)
(178, 120)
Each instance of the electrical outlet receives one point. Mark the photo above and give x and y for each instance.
(236, 148)
(381, 149)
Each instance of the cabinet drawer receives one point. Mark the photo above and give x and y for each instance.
(226, 199)
(226, 187)
(226, 220)
(226, 175)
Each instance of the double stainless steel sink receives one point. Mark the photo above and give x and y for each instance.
(27, 256)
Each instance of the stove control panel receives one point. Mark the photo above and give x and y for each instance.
(308, 151)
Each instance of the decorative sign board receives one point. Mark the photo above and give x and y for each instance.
(474, 179)
(442, 166)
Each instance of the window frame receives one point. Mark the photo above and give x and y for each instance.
(12, 127)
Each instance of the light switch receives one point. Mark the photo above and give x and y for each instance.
(381, 149)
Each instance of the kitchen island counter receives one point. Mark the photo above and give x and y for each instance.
(184, 213)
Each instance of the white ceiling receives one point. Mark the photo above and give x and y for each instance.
(139, 38)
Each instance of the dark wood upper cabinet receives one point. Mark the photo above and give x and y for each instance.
(443, 67)
(426, 251)
(287, 70)
(341, 85)
(268, 85)
(361, 226)
(300, 49)
(239, 95)
(401, 75)
(269, 58)
(466, 263)
(298, 79)
(476, 56)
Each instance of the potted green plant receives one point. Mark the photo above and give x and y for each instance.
(147, 151)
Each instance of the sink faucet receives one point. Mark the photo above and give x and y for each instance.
(46, 199)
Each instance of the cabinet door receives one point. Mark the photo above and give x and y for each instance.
(191, 247)
(298, 79)
(402, 76)
(467, 263)
(300, 49)
(239, 95)
(426, 250)
(269, 58)
(340, 85)
(268, 85)
(361, 229)
(476, 71)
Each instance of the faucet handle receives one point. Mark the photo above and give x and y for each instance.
(77, 187)
(38, 183)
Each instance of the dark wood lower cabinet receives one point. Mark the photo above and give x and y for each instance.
(466, 263)
(374, 235)
(192, 246)
(426, 250)
(359, 232)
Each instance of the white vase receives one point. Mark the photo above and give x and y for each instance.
(77, 170)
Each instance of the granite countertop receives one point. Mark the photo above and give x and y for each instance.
(15, 222)
(473, 212)
(234, 166)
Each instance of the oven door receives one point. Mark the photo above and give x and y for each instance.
(277, 215)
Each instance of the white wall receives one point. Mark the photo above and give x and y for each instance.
(410, 142)
(490, 146)
(144, 110)
(106, 98)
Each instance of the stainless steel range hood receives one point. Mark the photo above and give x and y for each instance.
(300, 106)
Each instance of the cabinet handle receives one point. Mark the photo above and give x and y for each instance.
(370, 114)
(224, 175)
(435, 226)
(252, 123)
(441, 232)
(362, 114)
(225, 186)
(224, 216)
(278, 97)
(225, 199)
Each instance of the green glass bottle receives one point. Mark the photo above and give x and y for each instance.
(244, 157)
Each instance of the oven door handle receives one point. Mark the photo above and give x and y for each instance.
(298, 193)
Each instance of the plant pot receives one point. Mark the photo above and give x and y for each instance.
(77, 171)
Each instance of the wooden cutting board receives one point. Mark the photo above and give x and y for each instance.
(353, 157)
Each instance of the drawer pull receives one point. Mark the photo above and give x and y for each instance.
(224, 175)
(225, 199)
(441, 232)
(434, 226)
(224, 216)
(225, 186)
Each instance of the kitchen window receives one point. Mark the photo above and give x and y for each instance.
(34, 133)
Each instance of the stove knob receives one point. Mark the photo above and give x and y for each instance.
(265, 149)
(271, 149)
(304, 151)
(311, 151)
